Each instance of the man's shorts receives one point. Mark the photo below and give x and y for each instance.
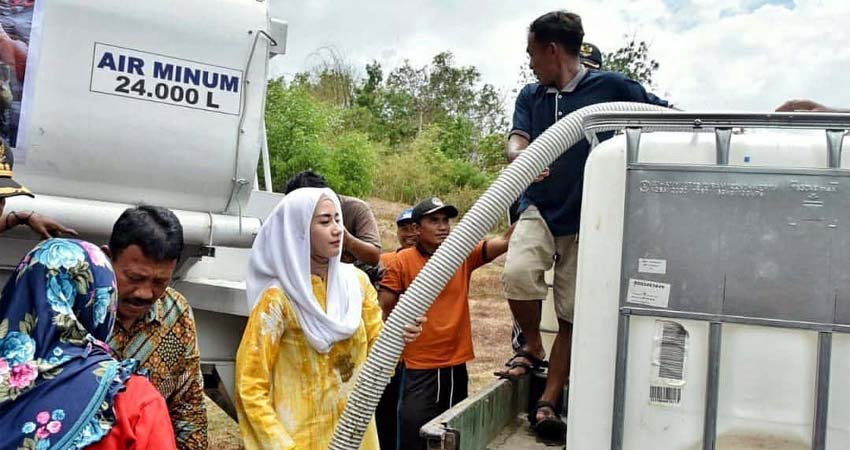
(532, 251)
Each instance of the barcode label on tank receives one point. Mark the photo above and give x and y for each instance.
(666, 395)
(669, 354)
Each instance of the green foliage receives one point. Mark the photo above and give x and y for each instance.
(491, 152)
(403, 135)
(305, 133)
(633, 61)
(352, 164)
(332, 78)
(455, 137)
(294, 125)
(421, 170)
(442, 91)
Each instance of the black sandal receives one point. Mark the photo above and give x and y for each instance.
(530, 365)
(551, 427)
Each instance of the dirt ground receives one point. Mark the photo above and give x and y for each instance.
(491, 327)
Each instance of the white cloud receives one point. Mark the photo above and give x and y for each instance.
(714, 54)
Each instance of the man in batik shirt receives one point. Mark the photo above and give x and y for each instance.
(155, 323)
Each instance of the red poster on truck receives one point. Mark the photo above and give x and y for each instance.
(16, 18)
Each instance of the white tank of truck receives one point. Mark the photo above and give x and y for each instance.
(155, 102)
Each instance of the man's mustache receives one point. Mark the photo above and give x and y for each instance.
(136, 301)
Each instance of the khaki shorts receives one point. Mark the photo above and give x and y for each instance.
(532, 251)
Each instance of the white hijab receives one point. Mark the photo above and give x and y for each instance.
(281, 257)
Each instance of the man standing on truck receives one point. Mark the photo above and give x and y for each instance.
(155, 324)
(434, 377)
(546, 233)
(591, 57)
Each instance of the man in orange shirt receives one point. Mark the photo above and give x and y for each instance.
(435, 377)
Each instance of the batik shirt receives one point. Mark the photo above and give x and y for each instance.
(165, 342)
(289, 396)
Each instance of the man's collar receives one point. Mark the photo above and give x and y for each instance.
(155, 313)
(422, 250)
(573, 84)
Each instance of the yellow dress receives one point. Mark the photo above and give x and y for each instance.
(289, 396)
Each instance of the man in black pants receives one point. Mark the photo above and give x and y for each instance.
(435, 377)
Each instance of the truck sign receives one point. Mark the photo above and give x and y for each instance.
(157, 78)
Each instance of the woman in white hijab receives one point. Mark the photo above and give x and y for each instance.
(313, 320)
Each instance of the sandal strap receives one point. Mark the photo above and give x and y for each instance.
(546, 404)
(533, 361)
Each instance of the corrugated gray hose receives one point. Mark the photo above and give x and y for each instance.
(484, 214)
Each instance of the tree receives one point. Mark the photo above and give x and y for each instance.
(331, 78)
(525, 75)
(368, 94)
(489, 112)
(443, 91)
(386, 115)
(410, 83)
(633, 61)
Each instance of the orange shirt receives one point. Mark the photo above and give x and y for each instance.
(387, 257)
(446, 338)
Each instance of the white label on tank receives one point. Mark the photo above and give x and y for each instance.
(650, 293)
(140, 75)
(669, 356)
(657, 266)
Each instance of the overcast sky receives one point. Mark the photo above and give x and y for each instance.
(746, 55)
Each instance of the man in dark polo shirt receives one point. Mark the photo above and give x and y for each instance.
(547, 231)
(591, 57)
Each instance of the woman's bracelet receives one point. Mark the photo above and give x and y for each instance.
(18, 218)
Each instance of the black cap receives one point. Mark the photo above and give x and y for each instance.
(405, 217)
(590, 55)
(430, 206)
(8, 186)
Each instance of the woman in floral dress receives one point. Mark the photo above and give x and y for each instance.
(59, 386)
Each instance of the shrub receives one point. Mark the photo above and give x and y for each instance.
(421, 170)
(351, 164)
(305, 133)
(294, 123)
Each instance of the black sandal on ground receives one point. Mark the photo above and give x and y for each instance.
(530, 365)
(551, 427)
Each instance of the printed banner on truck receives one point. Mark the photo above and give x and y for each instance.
(152, 77)
(16, 25)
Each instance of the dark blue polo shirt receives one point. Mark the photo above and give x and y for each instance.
(558, 196)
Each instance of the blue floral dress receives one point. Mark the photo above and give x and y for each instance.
(57, 379)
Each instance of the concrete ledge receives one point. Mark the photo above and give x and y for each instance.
(474, 422)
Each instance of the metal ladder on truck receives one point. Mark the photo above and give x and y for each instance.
(757, 246)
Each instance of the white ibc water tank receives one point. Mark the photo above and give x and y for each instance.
(759, 247)
(150, 101)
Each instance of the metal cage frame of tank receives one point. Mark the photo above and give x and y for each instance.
(688, 194)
